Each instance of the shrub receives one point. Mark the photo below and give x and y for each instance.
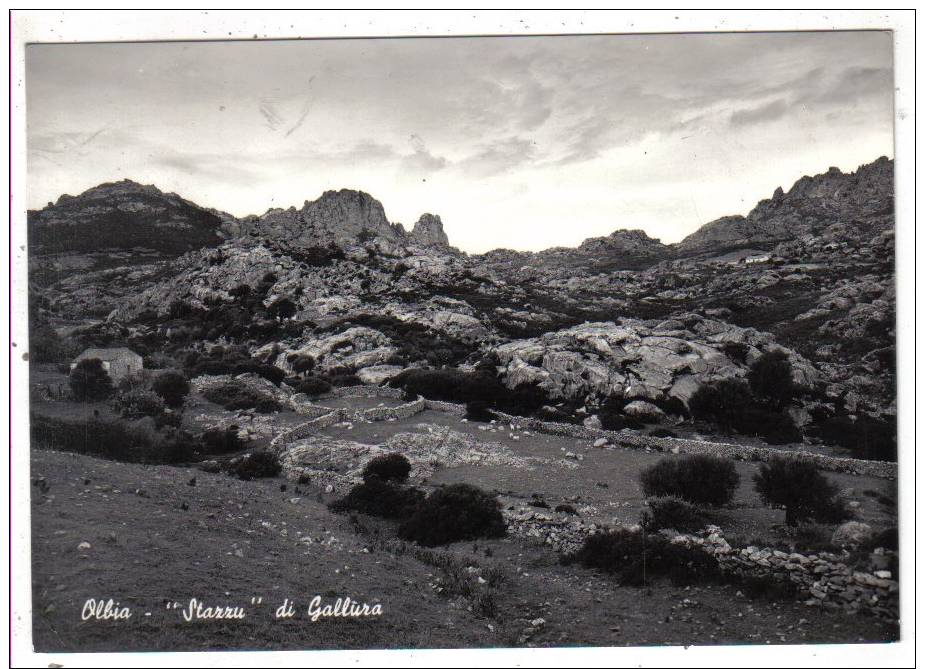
(235, 397)
(799, 487)
(566, 508)
(282, 309)
(235, 364)
(388, 467)
(736, 350)
(46, 346)
(699, 479)
(454, 385)
(376, 497)
(867, 438)
(773, 427)
(120, 440)
(662, 432)
(313, 386)
(89, 381)
(257, 465)
(301, 363)
(640, 558)
(672, 513)
(172, 386)
(457, 512)
(217, 441)
(730, 404)
(612, 417)
(770, 377)
(720, 402)
(343, 379)
(138, 403)
(479, 411)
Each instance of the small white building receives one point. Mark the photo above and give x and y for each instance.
(118, 362)
(751, 260)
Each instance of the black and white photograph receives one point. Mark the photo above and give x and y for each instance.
(461, 341)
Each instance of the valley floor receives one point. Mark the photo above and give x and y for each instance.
(149, 538)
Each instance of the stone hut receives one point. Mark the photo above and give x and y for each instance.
(118, 362)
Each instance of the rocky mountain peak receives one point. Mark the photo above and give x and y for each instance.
(429, 231)
(812, 204)
(123, 215)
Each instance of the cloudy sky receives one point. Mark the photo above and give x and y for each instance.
(523, 142)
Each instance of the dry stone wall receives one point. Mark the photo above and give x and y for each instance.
(822, 579)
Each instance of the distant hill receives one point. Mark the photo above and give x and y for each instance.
(813, 203)
(120, 216)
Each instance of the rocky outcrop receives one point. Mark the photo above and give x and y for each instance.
(343, 218)
(637, 359)
(428, 231)
(863, 199)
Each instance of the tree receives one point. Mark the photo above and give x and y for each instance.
(800, 488)
(172, 386)
(770, 378)
(89, 381)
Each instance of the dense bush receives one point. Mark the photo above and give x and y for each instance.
(730, 404)
(138, 403)
(770, 378)
(388, 467)
(235, 397)
(343, 379)
(46, 346)
(139, 441)
(313, 386)
(301, 363)
(257, 465)
(673, 513)
(640, 558)
(89, 381)
(699, 479)
(720, 402)
(457, 512)
(217, 441)
(454, 385)
(172, 386)
(376, 497)
(233, 361)
(736, 350)
(800, 488)
(282, 309)
(867, 438)
(479, 412)
(773, 427)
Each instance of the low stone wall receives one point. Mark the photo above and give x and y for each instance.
(329, 417)
(385, 392)
(446, 407)
(308, 428)
(304, 408)
(391, 413)
(826, 581)
(821, 578)
(887, 470)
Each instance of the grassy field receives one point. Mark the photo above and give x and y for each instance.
(154, 540)
(153, 537)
